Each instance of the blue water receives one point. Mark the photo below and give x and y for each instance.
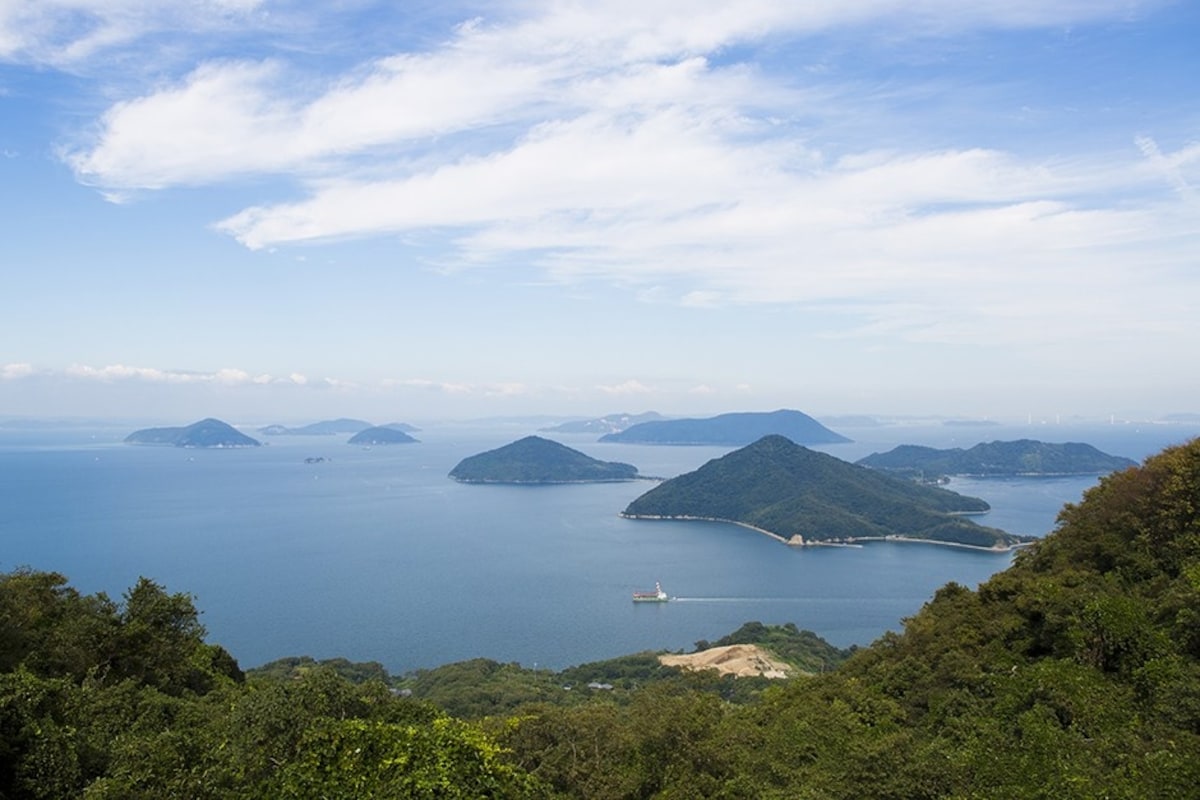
(376, 555)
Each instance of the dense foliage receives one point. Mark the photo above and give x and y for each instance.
(1073, 674)
(729, 430)
(1022, 457)
(789, 490)
(534, 459)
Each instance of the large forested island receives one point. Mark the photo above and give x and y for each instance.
(732, 430)
(993, 459)
(538, 460)
(1074, 674)
(805, 497)
(205, 433)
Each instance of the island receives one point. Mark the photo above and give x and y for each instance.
(732, 430)
(537, 460)
(1024, 457)
(328, 427)
(612, 423)
(205, 433)
(802, 497)
(382, 434)
(332, 427)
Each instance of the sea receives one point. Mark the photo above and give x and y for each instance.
(312, 546)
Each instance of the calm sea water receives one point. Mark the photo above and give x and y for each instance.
(375, 554)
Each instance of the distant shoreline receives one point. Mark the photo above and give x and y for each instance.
(851, 542)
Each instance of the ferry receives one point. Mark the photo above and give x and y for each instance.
(657, 596)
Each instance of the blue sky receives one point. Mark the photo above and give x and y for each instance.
(269, 210)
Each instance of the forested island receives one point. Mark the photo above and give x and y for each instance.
(381, 434)
(1024, 457)
(205, 433)
(802, 496)
(1074, 674)
(732, 430)
(534, 459)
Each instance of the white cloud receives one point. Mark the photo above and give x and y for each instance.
(228, 376)
(629, 387)
(15, 371)
(615, 141)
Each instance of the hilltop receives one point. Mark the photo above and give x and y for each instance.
(1021, 457)
(805, 497)
(537, 460)
(205, 433)
(734, 430)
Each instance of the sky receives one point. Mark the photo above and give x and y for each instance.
(270, 210)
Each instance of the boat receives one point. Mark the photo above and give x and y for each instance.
(657, 596)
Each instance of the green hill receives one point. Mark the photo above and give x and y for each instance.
(537, 460)
(732, 430)
(205, 433)
(1021, 457)
(790, 491)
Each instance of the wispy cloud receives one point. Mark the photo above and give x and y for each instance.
(65, 33)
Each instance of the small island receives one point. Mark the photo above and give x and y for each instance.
(205, 433)
(331, 427)
(382, 434)
(731, 430)
(803, 497)
(328, 427)
(537, 460)
(612, 423)
(1024, 457)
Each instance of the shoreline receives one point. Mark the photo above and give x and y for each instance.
(856, 541)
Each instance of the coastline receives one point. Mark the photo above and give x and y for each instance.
(856, 541)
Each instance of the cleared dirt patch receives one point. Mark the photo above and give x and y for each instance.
(735, 659)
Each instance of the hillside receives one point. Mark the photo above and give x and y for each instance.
(205, 433)
(806, 497)
(733, 430)
(993, 459)
(537, 460)
(382, 434)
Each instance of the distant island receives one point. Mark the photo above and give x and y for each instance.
(801, 496)
(733, 430)
(995, 459)
(205, 433)
(537, 460)
(613, 423)
(382, 434)
(331, 427)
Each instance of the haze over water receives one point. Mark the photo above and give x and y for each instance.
(375, 554)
